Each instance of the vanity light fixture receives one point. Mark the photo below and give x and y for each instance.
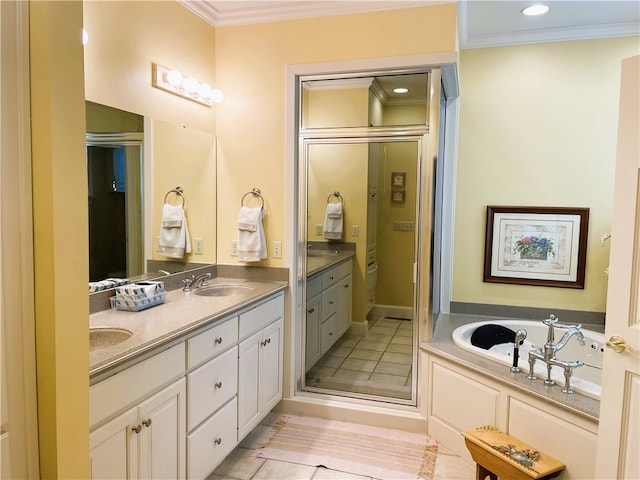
(536, 9)
(400, 90)
(173, 81)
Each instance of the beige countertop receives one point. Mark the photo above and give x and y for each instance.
(165, 324)
(317, 264)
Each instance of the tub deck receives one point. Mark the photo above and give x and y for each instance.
(442, 345)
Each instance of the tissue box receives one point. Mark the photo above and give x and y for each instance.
(135, 303)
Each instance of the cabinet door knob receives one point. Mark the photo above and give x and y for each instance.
(331, 278)
(311, 311)
(346, 286)
(330, 303)
(147, 422)
(217, 441)
(331, 334)
(217, 385)
(267, 341)
(136, 428)
(218, 341)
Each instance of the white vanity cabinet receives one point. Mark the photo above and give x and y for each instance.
(312, 345)
(331, 291)
(212, 386)
(137, 425)
(260, 363)
(180, 412)
(461, 399)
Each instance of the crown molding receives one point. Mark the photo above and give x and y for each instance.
(558, 34)
(281, 11)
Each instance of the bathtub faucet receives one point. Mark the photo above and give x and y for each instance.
(548, 352)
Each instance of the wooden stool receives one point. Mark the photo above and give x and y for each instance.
(500, 455)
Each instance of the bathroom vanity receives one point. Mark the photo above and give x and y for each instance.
(329, 302)
(196, 375)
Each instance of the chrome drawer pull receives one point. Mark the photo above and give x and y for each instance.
(217, 385)
(136, 429)
(218, 341)
(217, 441)
(147, 422)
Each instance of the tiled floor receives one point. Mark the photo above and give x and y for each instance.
(242, 465)
(378, 364)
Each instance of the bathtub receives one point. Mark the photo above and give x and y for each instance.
(585, 379)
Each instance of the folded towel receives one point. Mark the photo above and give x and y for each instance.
(252, 246)
(333, 221)
(174, 234)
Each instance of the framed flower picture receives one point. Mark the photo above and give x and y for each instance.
(545, 246)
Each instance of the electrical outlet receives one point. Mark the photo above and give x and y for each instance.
(198, 246)
(355, 230)
(319, 230)
(234, 248)
(276, 249)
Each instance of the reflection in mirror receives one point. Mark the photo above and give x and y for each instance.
(385, 100)
(378, 182)
(114, 165)
(131, 164)
(377, 171)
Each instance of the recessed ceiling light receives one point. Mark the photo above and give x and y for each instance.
(400, 90)
(537, 9)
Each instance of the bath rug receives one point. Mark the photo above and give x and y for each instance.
(375, 452)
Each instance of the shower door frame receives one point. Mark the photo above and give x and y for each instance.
(351, 136)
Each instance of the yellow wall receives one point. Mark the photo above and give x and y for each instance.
(251, 66)
(124, 39)
(537, 126)
(187, 158)
(342, 168)
(61, 257)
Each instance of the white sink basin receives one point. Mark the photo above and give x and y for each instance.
(223, 290)
(100, 337)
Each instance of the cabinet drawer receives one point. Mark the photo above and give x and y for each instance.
(210, 443)
(211, 342)
(333, 276)
(330, 299)
(314, 286)
(211, 386)
(261, 316)
(124, 388)
(328, 334)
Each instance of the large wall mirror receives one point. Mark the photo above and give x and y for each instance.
(364, 137)
(132, 164)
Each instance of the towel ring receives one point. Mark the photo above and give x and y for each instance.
(256, 193)
(335, 195)
(178, 191)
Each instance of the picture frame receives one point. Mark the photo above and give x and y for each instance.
(542, 246)
(397, 196)
(398, 179)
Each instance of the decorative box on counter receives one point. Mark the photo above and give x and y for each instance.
(138, 296)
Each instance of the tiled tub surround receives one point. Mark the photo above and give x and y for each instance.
(182, 313)
(466, 391)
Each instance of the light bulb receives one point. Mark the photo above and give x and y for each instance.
(173, 78)
(216, 95)
(204, 90)
(190, 85)
(537, 9)
(400, 90)
(85, 36)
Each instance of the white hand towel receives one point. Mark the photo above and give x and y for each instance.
(174, 234)
(251, 242)
(333, 221)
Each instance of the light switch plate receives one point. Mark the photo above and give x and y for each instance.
(198, 246)
(276, 250)
(234, 248)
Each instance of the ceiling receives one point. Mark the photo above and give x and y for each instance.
(483, 23)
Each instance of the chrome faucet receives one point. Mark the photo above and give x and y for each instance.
(548, 352)
(188, 283)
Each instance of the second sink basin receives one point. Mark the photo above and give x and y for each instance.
(224, 290)
(107, 336)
